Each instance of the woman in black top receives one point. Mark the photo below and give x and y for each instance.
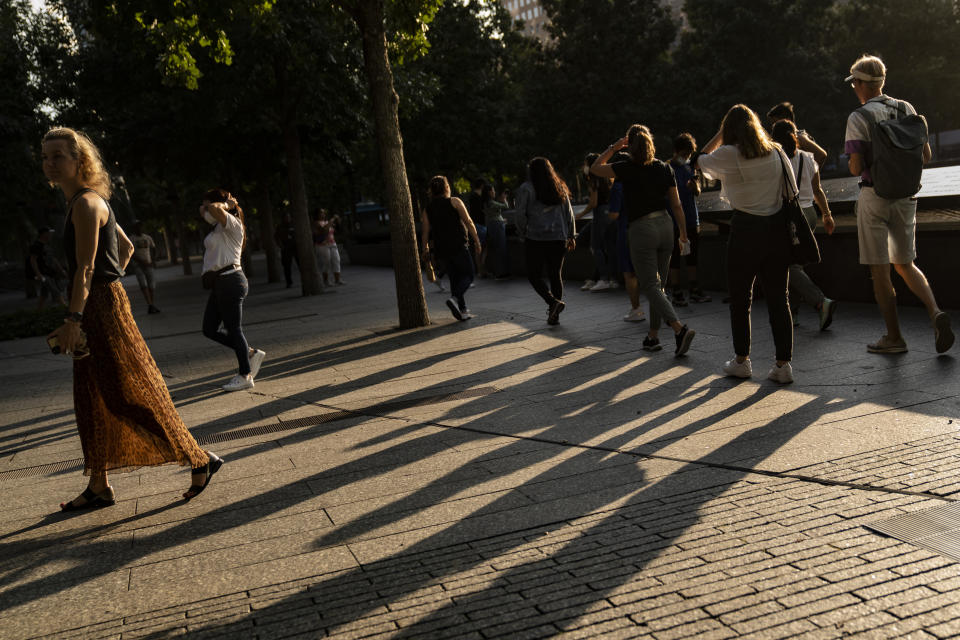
(648, 186)
(446, 224)
(125, 417)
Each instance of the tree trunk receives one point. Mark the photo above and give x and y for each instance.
(265, 213)
(411, 303)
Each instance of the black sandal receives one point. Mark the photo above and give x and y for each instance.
(213, 465)
(93, 500)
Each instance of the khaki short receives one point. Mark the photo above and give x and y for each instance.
(886, 229)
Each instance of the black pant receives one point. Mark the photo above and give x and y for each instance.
(549, 254)
(288, 255)
(225, 307)
(459, 267)
(758, 247)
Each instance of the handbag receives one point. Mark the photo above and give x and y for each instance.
(801, 243)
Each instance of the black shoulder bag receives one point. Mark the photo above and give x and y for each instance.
(801, 243)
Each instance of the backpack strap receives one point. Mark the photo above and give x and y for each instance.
(786, 180)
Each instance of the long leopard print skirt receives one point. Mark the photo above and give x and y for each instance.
(125, 415)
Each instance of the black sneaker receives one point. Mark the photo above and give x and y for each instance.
(152, 309)
(651, 344)
(684, 338)
(454, 308)
(698, 295)
(678, 299)
(553, 317)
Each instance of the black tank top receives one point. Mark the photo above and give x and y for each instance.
(106, 265)
(447, 233)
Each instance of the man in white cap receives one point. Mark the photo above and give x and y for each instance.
(886, 228)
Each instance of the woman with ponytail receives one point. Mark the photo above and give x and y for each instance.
(649, 187)
(125, 417)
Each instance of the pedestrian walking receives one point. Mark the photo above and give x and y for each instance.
(447, 231)
(752, 170)
(44, 268)
(688, 188)
(125, 416)
(604, 269)
(223, 275)
(544, 218)
(285, 235)
(624, 264)
(325, 246)
(886, 208)
(807, 174)
(144, 258)
(649, 186)
(474, 206)
(495, 249)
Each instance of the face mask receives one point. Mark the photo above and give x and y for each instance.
(209, 218)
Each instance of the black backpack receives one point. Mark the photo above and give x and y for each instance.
(896, 160)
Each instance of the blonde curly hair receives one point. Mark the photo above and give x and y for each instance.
(89, 164)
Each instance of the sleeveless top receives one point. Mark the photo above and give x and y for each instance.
(447, 233)
(106, 264)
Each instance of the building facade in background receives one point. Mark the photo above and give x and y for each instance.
(535, 18)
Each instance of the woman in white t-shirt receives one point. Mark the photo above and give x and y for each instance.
(807, 172)
(221, 261)
(752, 170)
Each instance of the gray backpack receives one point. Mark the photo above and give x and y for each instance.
(896, 160)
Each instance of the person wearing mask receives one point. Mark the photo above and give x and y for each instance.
(649, 186)
(807, 174)
(144, 257)
(222, 248)
(752, 170)
(125, 416)
(544, 218)
(447, 232)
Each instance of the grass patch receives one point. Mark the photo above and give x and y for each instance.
(28, 323)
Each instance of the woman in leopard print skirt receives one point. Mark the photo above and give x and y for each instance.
(125, 416)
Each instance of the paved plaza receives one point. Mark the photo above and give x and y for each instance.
(498, 478)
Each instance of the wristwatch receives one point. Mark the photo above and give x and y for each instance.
(74, 316)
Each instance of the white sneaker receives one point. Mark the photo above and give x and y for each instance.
(635, 315)
(738, 369)
(239, 383)
(783, 375)
(586, 285)
(600, 285)
(256, 359)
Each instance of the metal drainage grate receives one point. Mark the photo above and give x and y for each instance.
(936, 529)
(266, 429)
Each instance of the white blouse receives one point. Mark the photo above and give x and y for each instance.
(752, 185)
(805, 182)
(223, 245)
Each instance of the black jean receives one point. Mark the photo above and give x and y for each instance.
(549, 255)
(758, 248)
(225, 307)
(459, 267)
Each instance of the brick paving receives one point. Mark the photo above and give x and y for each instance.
(579, 489)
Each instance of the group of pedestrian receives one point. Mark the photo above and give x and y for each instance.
(326, 251)
(126, 418)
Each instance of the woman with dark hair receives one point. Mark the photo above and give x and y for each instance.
(222, 249)
(544, 218)
(446, 228)
(649, 187)
(752, 169)
(807, 173)
(125, 417)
